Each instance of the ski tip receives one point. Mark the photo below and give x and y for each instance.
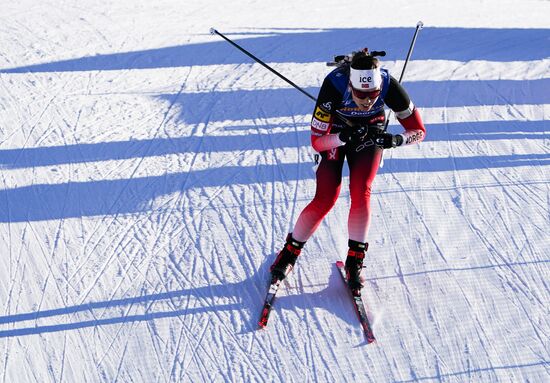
(262, 322)
(339, 263)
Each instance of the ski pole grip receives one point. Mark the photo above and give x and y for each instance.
(420, 25)
(213, 31)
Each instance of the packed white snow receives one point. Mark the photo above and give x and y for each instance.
(149, 173)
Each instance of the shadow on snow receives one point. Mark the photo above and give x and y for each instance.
(269, 103)
(124, 196)
(135, 195)
(252, 140)
(462, 44)
(248, 295)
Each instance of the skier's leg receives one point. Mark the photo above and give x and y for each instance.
(363, 166)
(329, 179)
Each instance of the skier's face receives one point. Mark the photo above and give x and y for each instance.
(364, 99)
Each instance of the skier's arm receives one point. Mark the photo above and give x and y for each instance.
(407, 114)
(323, 119)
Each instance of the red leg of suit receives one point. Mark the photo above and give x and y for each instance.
(363, 166)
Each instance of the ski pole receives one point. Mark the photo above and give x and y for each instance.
(215, 32)
(419, 26)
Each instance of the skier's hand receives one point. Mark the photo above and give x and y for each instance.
(388, 140)
(354, 134)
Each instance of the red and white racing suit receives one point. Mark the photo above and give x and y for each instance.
(363, 160)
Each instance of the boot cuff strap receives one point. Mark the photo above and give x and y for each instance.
(358, 246)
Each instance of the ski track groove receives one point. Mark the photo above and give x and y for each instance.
(203, 300)
(309, 344)
(486, 343)
(201, 141)
(217, 191)
(298, 167)
(33, 127)
(504, 277)
(199, 362)
(411, 312)
(91, 235)
(105, 264)
(113, 337)
(262, 115)
(48, 261)
(9, 340)
(175, 356)
(494, 251)
(15, 103)
(95, 247)
(473, 313)
(130, 258)
(421, 219)
(161, 348)
(12, 273)
(137, 166)
(63, 357)
(119, 330)
(123, 355)
(187, 345)
(155, 338)
(57, 238)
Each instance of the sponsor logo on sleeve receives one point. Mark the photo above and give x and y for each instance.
(414, 138)
(319, 125)
(321, 115)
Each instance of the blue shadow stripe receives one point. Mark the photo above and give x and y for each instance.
(462, 44)
(251, 104)
(119, 150)
(479, 92)
(98, 198)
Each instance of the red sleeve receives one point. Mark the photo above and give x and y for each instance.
(413, 122)
(414, 128)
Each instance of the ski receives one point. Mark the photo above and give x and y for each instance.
(360, 308)
(268, 303)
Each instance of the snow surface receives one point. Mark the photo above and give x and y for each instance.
(150, 172)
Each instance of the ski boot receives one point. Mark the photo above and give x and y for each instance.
(286, 259)
(354, 264)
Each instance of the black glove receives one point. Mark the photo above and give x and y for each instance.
(354, 134)
(388, 140)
